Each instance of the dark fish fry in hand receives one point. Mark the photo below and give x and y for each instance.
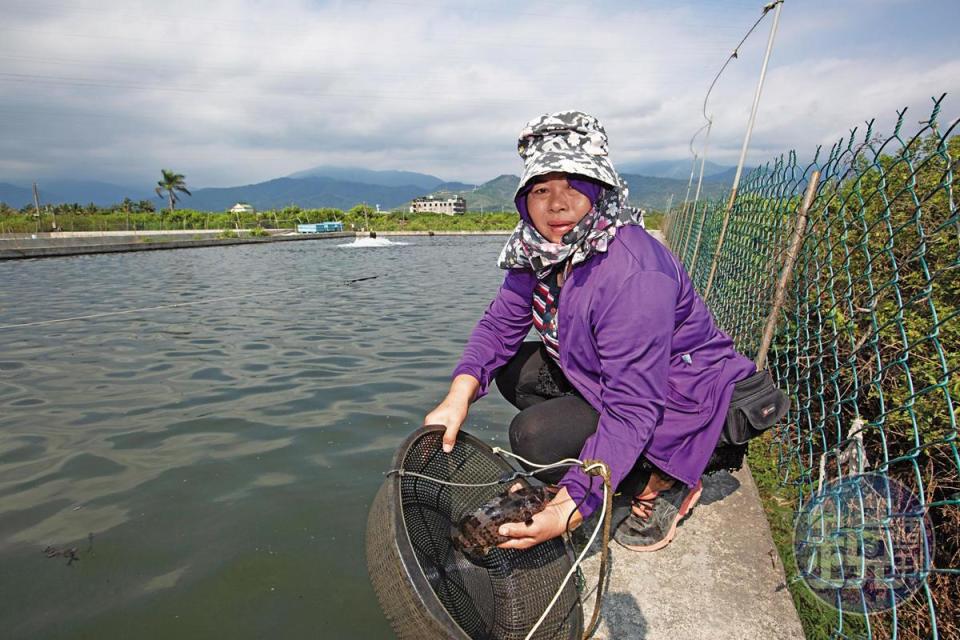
(477, 532)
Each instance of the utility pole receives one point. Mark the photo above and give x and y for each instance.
(693, 172)
(777, 5)
(696, 199)
(666, 216)
(36, 205)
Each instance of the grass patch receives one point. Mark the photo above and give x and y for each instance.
(653, 220)
(779, 503)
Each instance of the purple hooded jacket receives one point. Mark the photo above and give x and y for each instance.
(641, 347)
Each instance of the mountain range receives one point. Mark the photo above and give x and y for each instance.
(678, 169)
(344, 187)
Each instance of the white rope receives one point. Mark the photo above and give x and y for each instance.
(583, 554)
(593, 537)
(403, 474)
(566, 462)
(854, 444)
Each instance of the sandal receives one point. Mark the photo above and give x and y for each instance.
(657, 529)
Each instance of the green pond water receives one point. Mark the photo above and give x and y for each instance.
(222, 455)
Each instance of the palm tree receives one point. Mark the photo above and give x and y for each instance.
(171, 183)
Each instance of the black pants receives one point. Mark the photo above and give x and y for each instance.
(555, 421)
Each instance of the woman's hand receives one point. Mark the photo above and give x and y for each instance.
(549, 523)
(452, 412)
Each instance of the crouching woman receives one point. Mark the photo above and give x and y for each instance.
(630, 367)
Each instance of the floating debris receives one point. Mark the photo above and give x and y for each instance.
(71, 554)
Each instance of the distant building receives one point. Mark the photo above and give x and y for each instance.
(320, 227)
(242, 207)
(450, 206)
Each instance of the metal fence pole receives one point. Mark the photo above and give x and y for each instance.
(743, 152)
(665, 227)
(683, 226)
(796, 241)
(692, 267)
(686, 198)
(696, 198)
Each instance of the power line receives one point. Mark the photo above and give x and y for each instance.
(736, 53)
(709, 126)
(746, 144)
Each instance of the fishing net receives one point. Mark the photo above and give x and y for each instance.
(430, 589)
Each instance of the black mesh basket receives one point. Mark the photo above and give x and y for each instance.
(430, 589)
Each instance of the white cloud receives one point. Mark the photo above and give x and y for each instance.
(241, 91)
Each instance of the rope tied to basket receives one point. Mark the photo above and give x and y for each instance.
(600, 468)
(597, 468)
(594, 468)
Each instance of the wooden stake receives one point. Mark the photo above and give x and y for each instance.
(791, 258)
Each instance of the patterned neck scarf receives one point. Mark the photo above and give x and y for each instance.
(528, 249)
(546, 301)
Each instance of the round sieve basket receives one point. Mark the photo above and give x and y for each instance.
(429, 589)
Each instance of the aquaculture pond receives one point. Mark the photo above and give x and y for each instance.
(192, 452)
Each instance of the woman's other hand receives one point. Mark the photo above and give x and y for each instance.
(548, 524)
(452, 412)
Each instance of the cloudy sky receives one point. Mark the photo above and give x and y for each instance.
(237, 91)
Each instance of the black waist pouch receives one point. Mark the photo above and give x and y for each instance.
(757, 405)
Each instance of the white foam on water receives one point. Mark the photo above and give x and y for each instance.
(372, 242)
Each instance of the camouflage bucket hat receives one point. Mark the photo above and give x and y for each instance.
(567, 141)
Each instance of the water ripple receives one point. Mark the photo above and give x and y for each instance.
(218, 451)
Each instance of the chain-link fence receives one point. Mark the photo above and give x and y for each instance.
(866, 344)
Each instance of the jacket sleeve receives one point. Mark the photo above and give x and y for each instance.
(500, 331)
(633, 331)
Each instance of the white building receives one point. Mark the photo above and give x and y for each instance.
(450, 206)
(242, 207)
